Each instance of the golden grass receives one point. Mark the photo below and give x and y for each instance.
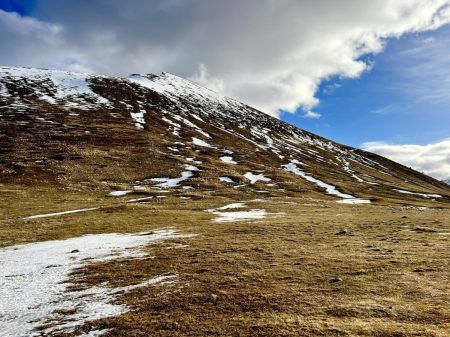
(290, 275)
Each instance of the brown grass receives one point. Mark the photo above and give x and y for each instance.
(291, 275)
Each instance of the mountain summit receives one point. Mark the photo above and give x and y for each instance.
(163, 132)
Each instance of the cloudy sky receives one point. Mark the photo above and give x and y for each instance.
(368, 73)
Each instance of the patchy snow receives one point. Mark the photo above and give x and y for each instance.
(198, 118)
(223, 214)
(330, 189)
(226, 180)
(239, 215)
(140, 199)
(228, 160)
(423, 195)
(175, 87)
(4, 91)
(354, 201)
(138, 118)
(174, 182)
(200, 142)
(193, 160)
(191, 167)
(61, 213)
(34, 277)
(255, 177)
(119, 193)
(64, 87)
(175, 125)
(232, 206)
(346, 168)
(191, 125)
(95, 333)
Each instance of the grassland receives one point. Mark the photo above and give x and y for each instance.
(317, 268)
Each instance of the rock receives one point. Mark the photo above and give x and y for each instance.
(74, 251)
(424, 229)
(343, 231)
(335, 280)
(213, 298)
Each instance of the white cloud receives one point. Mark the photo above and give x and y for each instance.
(312, 115)
(270, 54)
(386, 109)
(13, 23)
(27, 41)
(421, 70)
(203, 78)
(431, 159)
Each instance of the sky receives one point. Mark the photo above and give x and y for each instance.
(373, 74)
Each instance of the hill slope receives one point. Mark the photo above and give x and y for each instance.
(162, 131)
(150, 206)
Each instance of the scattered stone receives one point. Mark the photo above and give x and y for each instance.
(420, 229)
(149, 233)
(74, 251)
(343, 231)
(213, 298)
(336, 280)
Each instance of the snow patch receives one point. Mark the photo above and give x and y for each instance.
(200, 142)
(354, 201)
(228, 160)
(174, 182)
(226, 180)
(224, 215)
(423, 195)
(60, 213)
(239, 215)
(4, 91)
(34, 276)
(255, 177)
(138, 118)
(330, 189)
(193, 160)
(140, 199)
(68, 88)
(119, 193)
(232, 206)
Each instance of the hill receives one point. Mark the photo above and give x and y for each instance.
(151, 206)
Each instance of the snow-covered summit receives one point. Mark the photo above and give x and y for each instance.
(186, 92)
(52, 86)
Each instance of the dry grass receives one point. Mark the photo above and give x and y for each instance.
(290, 275)
(300, 274)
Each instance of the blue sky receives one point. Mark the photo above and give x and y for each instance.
(23, 7)
(390, 102)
